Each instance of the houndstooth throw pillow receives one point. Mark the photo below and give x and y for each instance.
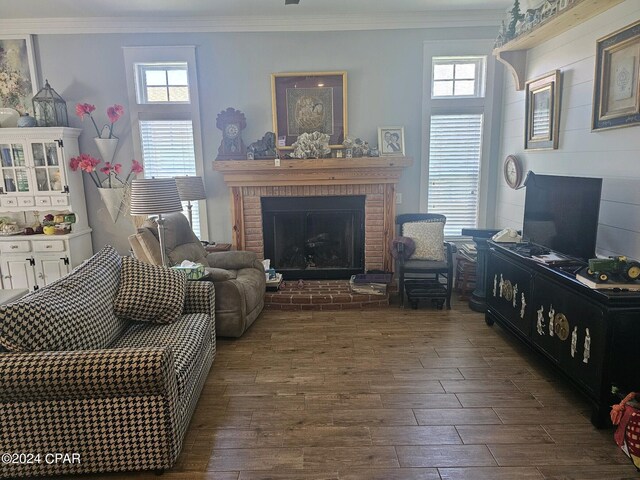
(72, 313)
(150, 293)
(429, 239)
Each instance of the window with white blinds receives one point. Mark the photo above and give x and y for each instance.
(167, 151)
(454, 169)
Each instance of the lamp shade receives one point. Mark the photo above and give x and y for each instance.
(154, 196)
(190, 188)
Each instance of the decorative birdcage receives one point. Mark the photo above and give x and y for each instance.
(49, 108)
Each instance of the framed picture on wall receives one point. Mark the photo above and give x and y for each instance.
(616, 95)
(309, 102)
(18, 80)
(542, 112)
(391, 140)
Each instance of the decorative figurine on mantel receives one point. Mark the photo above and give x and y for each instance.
(264, 148)
(231, 122)
(311, 145)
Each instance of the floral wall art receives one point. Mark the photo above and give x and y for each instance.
(17, 73)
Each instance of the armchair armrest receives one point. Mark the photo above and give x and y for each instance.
(86, 374)
(234, 260)
(200, 297)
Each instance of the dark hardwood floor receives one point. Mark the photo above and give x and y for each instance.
(388, 394)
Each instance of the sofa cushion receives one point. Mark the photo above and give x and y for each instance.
(149, 293)
(186, 337)
(72, 313)
(428, 237)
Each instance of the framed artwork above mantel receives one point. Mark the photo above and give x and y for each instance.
(307, 102)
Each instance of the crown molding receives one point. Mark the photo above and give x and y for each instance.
(289, 23)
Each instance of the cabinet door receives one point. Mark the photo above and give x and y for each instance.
(570, 330)
(50, 269)
(18, 273)
(509, 292)
(48, 171)
(13, 169)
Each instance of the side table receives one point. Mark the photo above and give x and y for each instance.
(480, 236)
(218, 247)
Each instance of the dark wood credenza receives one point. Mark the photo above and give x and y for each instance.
(547, 308)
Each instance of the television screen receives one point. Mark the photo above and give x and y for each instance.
(561, 213)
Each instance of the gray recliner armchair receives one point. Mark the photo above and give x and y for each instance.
(238, 276)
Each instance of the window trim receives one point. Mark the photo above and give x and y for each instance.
(167, 110)
(488, 182)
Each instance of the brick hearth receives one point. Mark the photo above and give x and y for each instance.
(321, 295)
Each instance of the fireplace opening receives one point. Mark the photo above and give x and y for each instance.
(314, 237)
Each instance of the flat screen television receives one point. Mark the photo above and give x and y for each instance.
(561, 213)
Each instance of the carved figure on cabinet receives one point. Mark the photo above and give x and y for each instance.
(540, 324)
(515, 295)
(552, 316)
(574, 341)
(587, 346)
(501, 285)
(495, 284)
(523, 304)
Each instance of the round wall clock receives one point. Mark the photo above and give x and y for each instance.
(512, 171)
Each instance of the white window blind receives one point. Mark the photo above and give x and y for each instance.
(167, 151)
(454, 169)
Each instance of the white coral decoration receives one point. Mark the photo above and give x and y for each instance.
(311, 145)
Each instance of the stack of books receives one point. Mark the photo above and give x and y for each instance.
(468, 251)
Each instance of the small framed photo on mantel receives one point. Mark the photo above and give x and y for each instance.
(542, 112)
(391, 141)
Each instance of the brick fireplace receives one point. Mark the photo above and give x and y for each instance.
(374, 178)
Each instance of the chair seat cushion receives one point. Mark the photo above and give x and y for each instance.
(428, 237)
(73, 313)
(425, 265)
(187, 337)
(149, 293)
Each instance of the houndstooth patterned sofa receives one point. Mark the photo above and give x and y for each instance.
(122, 406)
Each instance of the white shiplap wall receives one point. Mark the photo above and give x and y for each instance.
(613, 155)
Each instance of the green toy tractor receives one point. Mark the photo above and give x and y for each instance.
(603, 268)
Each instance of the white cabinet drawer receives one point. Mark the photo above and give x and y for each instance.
(17, 246)
(8, 201)
(62, 200)
(48, 246)
(26, 201)
(43, 201)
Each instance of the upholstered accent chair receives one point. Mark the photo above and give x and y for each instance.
(238, 276)
(432, 261)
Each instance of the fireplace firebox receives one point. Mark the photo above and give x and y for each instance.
(314, 237)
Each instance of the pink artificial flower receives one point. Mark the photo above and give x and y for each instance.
(106, 169)
(115, 112)
(74, 163)
(83, 109)
(88, 163)
(136, 166)
(117, 168)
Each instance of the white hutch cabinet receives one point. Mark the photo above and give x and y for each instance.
(35, 177)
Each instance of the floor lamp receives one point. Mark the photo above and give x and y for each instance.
(190, 189)
(155, 196)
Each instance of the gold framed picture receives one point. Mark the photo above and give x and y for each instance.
(616, 92)
(542, 112)
(309, 102)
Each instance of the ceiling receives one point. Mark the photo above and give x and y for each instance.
(19, 17)
(31, 9)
